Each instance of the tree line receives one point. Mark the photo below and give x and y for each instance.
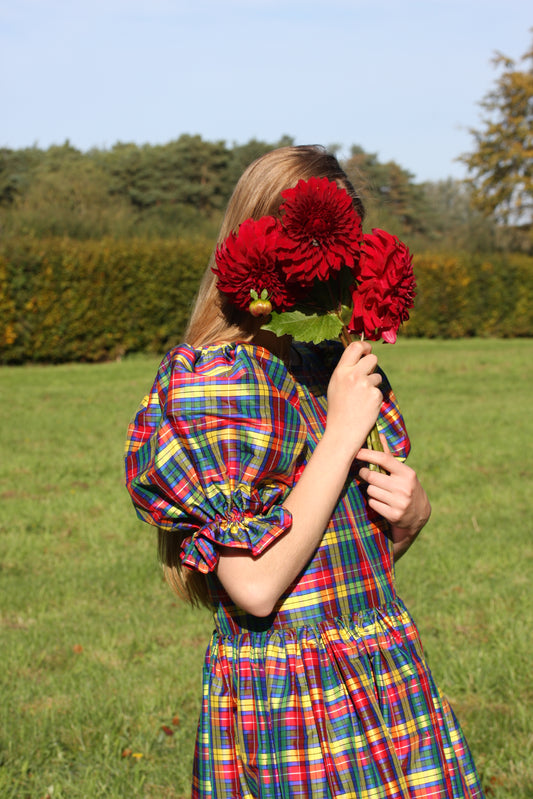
(181, 188)
(81, 231)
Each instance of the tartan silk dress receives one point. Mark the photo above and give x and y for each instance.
(330, 696)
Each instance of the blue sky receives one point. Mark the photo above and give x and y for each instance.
(401, 79)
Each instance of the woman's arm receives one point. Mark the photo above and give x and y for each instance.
(397, 496)
(354, 400)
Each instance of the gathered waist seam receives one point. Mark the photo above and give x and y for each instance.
(360, 618)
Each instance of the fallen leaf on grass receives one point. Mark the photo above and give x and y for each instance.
(167, 730)
(130, 753)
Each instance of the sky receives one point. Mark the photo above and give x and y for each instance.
(401, 78)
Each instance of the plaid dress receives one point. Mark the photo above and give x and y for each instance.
(330, 696)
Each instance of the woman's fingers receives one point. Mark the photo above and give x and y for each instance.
(354, 352)
(384, 459)
(384, 442)
(359, 355)
(397, 495)
(354, 398)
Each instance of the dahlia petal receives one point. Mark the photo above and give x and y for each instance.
(389, 336)
(247, 260)
(321, 218)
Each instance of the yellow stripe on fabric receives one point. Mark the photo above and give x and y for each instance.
(167, 453)
(374, 793)
(424, 778)
(311, 753)
(256, 437)
(294, 603)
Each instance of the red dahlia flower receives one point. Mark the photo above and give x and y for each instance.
(248, 261)
(323, 230)
(386, 287)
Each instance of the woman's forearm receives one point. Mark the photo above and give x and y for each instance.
(354, 399)
(256, 583)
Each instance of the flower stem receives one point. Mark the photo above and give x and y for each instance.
(373, 441)
(345, 337)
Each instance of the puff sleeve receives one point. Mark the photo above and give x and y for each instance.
(214, 448)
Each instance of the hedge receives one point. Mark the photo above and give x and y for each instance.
(466, 295)
(66, 300)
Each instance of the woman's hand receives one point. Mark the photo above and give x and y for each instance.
(354, 399)
(397, 496)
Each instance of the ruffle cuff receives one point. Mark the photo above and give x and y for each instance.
(201, 551)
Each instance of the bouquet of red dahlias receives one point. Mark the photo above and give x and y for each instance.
(315, 274)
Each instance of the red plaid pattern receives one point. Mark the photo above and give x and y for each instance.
(331, 695)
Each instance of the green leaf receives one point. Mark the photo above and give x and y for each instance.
(305, 327)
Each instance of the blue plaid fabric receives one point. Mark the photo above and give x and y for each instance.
(331, 695)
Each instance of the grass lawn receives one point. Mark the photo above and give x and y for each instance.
(98, 656)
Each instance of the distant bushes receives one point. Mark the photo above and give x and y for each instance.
(66, 300)
(472, 295)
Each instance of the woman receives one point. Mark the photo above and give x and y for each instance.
(248, 455)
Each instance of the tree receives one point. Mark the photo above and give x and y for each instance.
(186, 171)
(388, 191)
(65, 193)
(15, 172)
(451, 222)
(502, 162)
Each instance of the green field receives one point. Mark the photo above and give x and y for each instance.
(98, 655)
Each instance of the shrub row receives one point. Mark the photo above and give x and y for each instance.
(65, 300)
(466, 295)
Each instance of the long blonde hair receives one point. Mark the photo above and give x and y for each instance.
(213, 319)
(257, 194)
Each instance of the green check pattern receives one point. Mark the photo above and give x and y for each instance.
(331, 695)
